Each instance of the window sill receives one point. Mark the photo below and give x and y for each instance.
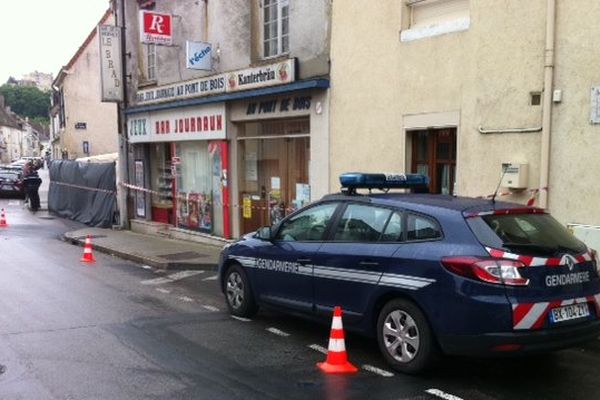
(422, 32)
(144, 84)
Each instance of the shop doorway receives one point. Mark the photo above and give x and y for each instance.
(433, 153)
(274, 171)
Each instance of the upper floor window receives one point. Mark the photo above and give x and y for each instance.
(435, 17)
(276, 38)
(151, 73)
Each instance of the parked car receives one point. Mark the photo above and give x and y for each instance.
(425, 274)
(11, 183)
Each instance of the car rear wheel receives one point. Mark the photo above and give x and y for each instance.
(405, 338)
(238, 293)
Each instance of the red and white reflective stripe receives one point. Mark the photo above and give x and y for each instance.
(337, 323)
(533, 315)
(539, 261)
(336, 345)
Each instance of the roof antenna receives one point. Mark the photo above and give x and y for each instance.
(504, 169)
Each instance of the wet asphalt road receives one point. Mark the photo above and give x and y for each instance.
(114, 330)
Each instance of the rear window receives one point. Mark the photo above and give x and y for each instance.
(528, 234)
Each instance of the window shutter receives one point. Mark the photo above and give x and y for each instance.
(433, 12)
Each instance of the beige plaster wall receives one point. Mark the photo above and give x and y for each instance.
(82, 104)
(484, 74)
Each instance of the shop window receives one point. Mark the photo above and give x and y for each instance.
(275, 23)
(427, 18)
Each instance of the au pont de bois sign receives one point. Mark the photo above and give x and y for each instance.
(250, 78)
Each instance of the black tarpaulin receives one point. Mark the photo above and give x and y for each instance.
(84, 192)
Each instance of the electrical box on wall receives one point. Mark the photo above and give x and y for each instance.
(515, 175)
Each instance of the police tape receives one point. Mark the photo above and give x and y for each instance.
(91, 189)
(184, 198)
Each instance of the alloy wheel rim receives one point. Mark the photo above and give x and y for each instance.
(235, 290)
(401, 336)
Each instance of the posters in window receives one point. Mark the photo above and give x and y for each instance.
(199, 212)
(140, 198)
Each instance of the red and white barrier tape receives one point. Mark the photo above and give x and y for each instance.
(83, 187)
(184, 198)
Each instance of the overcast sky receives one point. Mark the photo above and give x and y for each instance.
(43, 35)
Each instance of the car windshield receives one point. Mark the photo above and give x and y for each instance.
(533, 234)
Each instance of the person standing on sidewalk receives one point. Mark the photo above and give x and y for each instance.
(32, 182)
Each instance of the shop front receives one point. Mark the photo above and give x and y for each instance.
(188, 162)
(273, 148)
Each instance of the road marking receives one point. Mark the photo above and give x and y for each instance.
(278, 332)
(163, 290)
(210, 308)
(377, 371)
(241, 319)
(318, 348)
(186, 299)
(211, 278)
(171, 278)
(156, 281)
(442, 395)
(14, 203)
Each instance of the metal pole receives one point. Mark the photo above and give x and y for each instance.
(547, 110)
(123, 168)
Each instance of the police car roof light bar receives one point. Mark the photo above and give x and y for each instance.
(351, 181)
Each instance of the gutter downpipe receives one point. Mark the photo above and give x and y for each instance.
(547, 110)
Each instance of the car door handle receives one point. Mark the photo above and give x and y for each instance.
(303, 260)
(368, 263)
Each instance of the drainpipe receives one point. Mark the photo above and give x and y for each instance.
(547, 110)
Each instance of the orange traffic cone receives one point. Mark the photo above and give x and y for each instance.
(337, 359)
(88, 256)
(3, 223)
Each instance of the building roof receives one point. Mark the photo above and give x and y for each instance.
(7, 119)
(80, 50)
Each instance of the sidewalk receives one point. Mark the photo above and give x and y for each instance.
(149, 250)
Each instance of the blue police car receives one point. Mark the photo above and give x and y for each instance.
(425, 274)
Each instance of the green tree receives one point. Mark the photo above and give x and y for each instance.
(27, 101)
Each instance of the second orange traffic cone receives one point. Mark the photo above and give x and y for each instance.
(3, 223)
(337, 358)
(88, 256)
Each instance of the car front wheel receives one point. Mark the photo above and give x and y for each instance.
(405, 338)
(238, 293)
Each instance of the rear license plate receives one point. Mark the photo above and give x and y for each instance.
(567, 313)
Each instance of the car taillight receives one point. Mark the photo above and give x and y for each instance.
(496, 271)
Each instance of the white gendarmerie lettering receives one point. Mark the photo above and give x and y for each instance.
(567, 279)
(277, 265)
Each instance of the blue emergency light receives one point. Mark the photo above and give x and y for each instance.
(359, 180)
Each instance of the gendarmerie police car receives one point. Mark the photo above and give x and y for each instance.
(426, 274)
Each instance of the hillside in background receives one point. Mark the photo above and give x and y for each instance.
(27, 101)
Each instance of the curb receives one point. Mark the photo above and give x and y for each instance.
(151, 261)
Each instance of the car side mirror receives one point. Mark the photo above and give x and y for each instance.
(264, 233)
